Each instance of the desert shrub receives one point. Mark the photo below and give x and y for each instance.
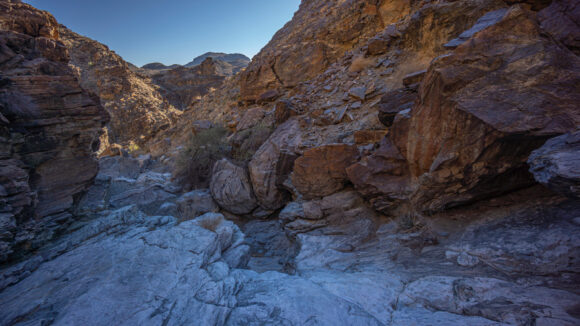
(202, 150)
(360, 63)
(247, 142)
(409, 220)
(133, 148)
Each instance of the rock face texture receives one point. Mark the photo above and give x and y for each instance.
(182, 86)
(231, 188)
(555, 164)
(319, 33)
(49, 129)
(138, 110)
(465, 138)
(321, 171)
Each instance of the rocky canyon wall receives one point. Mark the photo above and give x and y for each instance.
(49, 128)
(138, 110)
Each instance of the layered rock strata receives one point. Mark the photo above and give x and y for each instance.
(49, 127)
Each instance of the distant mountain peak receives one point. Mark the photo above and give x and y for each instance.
(234, 58)
(158, 66)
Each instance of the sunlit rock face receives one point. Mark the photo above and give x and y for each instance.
(319, 33)
(138, 111)
(50, 128)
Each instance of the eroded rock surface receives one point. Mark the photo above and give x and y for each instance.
(49, 129)
(231, 188)
(138, 111)
(555, 164)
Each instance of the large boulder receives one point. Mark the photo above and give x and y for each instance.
(272, 164)
(557, 164)
(231, 188)
(321, 171)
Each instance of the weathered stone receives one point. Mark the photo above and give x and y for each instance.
(414, 78)
(49, 131)
(250, 118)
(138, 111)
(395, 102)
(464, 139)
(182, 86)
(268, 96)
(556, 164)
(283, 111)
(231, 188)
(269, 166)
(485, 21)
(560, 19)
(382, 178)
(289, 58)
(196, 203)
(358, 93)
(321, 171)
(364, 137)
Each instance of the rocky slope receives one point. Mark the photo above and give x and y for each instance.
(416, 165)
(128, 97)
(183, 86)
(49, 128)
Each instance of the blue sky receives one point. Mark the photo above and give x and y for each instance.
(173, 31)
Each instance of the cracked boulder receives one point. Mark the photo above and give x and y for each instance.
(231, 188)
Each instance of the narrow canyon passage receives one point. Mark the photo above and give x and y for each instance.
(377, 162)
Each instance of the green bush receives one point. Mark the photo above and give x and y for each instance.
(203, 149)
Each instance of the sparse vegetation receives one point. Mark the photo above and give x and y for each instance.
(133, 148)
(203, 149)
(410, 220)
(248, 141)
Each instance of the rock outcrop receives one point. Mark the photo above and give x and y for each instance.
(138, 110)
(319, 33)
(555, 164)
(182, 86)
(466, 138)
(49, 129)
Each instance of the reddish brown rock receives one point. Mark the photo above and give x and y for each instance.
(269, 166)
(49, 131)
(321, 171)
(319, 33)
(182, 86)
(284, 110)
(394, 102)
(480, 113)
(138, 111)
(364, 137)
(250, 118)
(382, 178)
